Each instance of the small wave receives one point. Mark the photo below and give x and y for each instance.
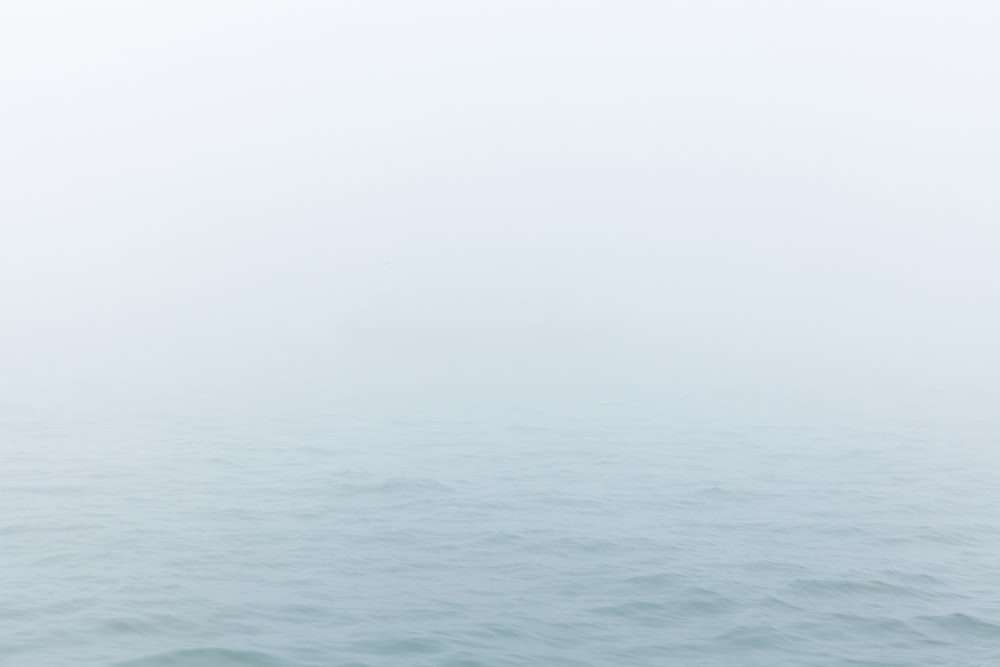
(463, 662)
(398, 647)
(962, 624)
(829, 587)
(580, 544)
(773, 602)
(50, 489)
(150, 626)
(501, 538)
(693, 602)
(208, 657)
(654, 580)
(772, 566)
(635, 609)
(398, 485)
(915, 577)
(881, 628)
(753, 637)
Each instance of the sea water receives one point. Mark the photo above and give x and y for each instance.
(598, 534)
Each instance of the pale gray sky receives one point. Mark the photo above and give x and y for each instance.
(237, 194)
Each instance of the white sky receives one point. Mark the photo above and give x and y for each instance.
(281, 191)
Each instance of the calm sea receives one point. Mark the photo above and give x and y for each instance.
(596, 534)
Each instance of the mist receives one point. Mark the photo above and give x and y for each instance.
(278, 200)
(526, 332)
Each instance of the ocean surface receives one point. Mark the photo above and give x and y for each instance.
(592, 535)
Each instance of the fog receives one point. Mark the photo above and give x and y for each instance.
(280, 199)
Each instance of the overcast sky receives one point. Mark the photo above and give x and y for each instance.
(231, 193)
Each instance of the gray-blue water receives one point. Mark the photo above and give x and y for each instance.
(599, 536)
